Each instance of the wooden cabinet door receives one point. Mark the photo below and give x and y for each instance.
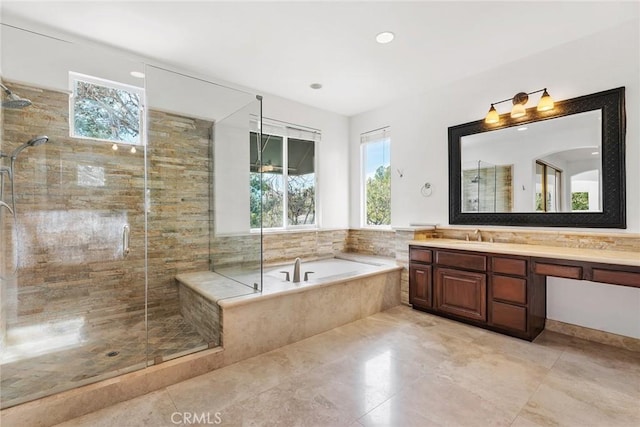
(462, 293)
(420, 285)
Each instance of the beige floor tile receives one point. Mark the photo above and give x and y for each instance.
(404, 368)
(439, 401)
(302, 401)
(220, 388)
(538, 354)
(154, 410)
(570, 401)
(393, 413)
(503, 380)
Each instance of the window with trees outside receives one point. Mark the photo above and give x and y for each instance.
(282, 177)
(105, 110)
(376, 178)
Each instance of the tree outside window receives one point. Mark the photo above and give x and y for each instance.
(376, 150)
(293, 169)
(105, 110)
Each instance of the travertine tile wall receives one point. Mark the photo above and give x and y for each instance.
(202, 314)
(559, 238)
(73, 198)
(178, 218)
(372, 242)
(234, 250)
(75, 195)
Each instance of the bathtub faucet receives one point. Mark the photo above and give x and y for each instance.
(296, 271)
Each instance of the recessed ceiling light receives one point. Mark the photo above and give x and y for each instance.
(385, 37)
(595, 153)
(523, 128)
(137, 74)
(315, 86)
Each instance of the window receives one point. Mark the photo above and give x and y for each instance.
(105, 110)
(548, 191)
(284, 159)
(376, 177)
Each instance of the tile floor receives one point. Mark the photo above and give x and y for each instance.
(34, 377)
(403, 368)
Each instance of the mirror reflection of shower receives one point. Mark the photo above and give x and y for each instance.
(479, 187)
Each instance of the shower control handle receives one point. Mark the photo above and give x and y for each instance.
(125, 241)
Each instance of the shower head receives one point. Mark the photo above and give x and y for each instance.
(476, 179)
(38, 140)
(13, 101)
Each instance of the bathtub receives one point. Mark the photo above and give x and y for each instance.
(339, 291)
(320, 273)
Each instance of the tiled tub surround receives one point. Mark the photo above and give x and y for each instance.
(235, 250)
(287, 312)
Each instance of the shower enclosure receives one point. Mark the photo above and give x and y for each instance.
(479, 187)
(109, 190)
(487, 187)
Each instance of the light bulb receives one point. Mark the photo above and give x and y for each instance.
(546, 102)
(133, 150)
(114, 147)
(518, 110)
(492, 116)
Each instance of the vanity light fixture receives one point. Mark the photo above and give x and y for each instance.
(519, 101)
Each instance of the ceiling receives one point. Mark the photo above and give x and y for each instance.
(282, 47)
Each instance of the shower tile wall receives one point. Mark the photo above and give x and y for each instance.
(178, 182)
(71, 263)
(70, 259)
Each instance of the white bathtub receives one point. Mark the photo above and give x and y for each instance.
(318, 270)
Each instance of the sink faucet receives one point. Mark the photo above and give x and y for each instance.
(296, 271)
(479, 234)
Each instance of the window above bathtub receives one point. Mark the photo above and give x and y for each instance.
(105, 110)
(283, 178)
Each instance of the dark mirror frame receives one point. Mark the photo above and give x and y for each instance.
(613, 215)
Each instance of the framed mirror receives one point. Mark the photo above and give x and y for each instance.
(559, 168)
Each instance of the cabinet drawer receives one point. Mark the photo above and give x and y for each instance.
(514, 266)
(626, 278)
(420, 255)
(509, 289)
(462, 260)
(509, 316)
(568, 271)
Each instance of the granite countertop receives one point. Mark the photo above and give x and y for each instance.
(542, 251)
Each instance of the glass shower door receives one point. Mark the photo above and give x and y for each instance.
(74, 274)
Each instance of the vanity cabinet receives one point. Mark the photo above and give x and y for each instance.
(420, 275)
(461, 284)
(493, 291)
(510, 284)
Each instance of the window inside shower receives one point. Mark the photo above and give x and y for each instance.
(105, 110)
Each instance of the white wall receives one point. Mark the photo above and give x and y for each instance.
(419, 147)
(45, 62)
